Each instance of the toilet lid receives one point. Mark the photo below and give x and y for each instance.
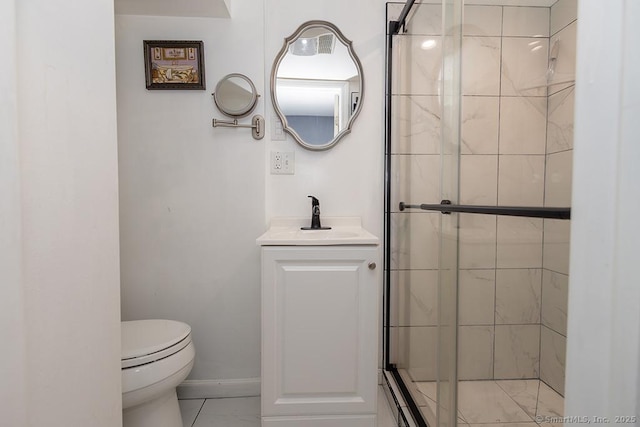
(144, 341)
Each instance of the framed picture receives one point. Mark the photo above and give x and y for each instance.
(174, 64)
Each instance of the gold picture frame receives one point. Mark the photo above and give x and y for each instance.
(174, 64)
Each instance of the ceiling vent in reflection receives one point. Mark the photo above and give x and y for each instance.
(326, 42)
(322, 44)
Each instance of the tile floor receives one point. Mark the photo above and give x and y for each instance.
(506, 403)
(502, 403)
(245, 412)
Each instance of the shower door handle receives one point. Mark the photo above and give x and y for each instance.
(446, 207)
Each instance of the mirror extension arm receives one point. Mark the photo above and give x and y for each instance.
(257, 125)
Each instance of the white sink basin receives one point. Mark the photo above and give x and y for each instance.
(344, 231)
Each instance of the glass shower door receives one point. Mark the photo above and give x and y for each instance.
(423, 163)
(480, 147)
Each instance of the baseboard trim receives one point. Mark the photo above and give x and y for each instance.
(212, 389)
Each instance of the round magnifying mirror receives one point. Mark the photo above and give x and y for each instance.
(317, 85)
(235, 95)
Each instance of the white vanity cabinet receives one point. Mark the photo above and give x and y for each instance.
(319, 335)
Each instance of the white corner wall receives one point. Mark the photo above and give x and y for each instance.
(60, 268)
(192, 197)
(603, 347)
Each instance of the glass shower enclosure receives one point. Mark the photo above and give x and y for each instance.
(479, 143)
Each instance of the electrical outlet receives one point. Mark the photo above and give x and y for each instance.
(282, 163)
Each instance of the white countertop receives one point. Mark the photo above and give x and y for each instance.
(344, 231)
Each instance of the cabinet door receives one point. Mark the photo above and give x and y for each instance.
(319, 330)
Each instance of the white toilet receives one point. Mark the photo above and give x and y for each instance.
(157, 355)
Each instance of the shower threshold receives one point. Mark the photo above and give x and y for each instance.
(404, 408)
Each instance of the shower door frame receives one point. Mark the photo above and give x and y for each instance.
(452, 11)
(393, 29)
(450, 119)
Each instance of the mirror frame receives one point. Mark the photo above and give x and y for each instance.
(288, 41)
(236, 113)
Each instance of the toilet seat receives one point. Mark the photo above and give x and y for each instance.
(147, 341)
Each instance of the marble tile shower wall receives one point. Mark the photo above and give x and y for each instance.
(509, 286)
(555, 273)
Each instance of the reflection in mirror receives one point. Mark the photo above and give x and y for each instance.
(317, 85)
(235, 95)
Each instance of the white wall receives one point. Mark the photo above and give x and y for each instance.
(603, 346)
(192, 196)
(59, 273)
(12, 327)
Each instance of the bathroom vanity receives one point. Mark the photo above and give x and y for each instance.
(319, 325)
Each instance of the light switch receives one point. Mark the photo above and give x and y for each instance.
(277, 130)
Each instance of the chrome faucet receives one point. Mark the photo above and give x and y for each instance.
(315, 216)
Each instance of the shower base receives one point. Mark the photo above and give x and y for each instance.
(499, 401)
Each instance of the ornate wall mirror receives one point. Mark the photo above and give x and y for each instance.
(317, 85)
